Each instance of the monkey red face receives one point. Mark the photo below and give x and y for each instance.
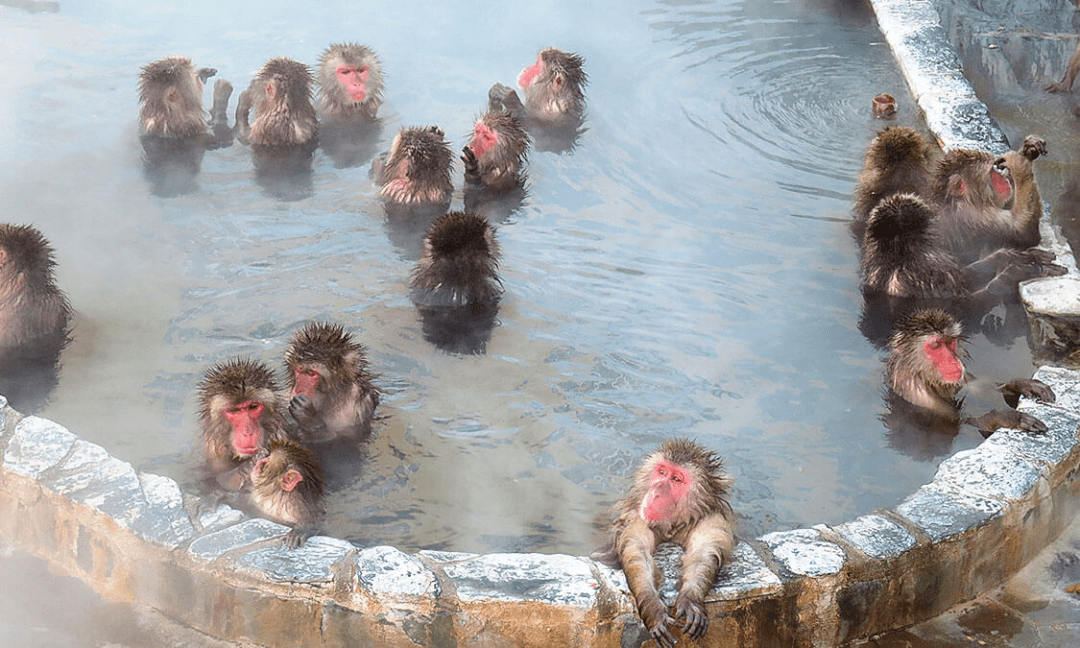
(1000, 183)
(307, 380)
(669, 486)
(941, 352)
(529, 74)
(483, 139)
(353, 80)
(247, 434)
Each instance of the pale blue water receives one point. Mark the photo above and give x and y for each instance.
(686, 270)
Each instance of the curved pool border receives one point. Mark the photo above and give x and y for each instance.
(136, 537)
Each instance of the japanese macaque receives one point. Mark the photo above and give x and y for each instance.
(495, 155)
(987, 202)
(416, 169)
(170, 91)
(897, 161)
(330, 390)
(455, 284)
(679, 495)
(901, 257)
(350, 82)
(925, 372)
(240, 415)
(174, 127)
(287, 487)
(554, 89)
(35, 318)
(1065, 85)
(280, 99)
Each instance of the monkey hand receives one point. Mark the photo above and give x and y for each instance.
(1057, 86)
(205, 73)
(1033, 147)
(472, 167)
(1034, 389)
(296, 538)
(502, 97)
(312, 427)
(659, 623)
(695, 621)
(1007, 418)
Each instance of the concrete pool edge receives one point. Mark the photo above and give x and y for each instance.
(131, 536)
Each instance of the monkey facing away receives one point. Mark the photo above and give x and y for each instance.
(276, 109)
(925, 372)
(240, 415)
(350, 82)
(416, 169)
(679, 495)
(170, 91)
(35, 318)
(330, 391)
(287, 487)
(898, 160)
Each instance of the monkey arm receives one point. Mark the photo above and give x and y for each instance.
(312, 426)
(636, 544)
(503, 97)
(708, 546)
(243, 108)
(1031, 388)
(994, 420)
(1065, 85)
(1027, 205)
(221, 134)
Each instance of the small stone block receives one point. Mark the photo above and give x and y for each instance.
(313, 562)
(802, 552)
(942, 512)
(556, 579)
(389, 571)
(989, 471)
(876, 536)
(212, 545)
(37, 445)
(746, 575)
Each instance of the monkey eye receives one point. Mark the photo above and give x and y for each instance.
(661, 471)
(676, 478)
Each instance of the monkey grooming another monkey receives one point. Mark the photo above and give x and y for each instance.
(240, 416)
(278, 103)
(925, 372)
(287, 487)
(679, 495)
(350, 82)
(35, 318)
(330, 390)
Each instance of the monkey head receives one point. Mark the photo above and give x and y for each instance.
(925, 364)
(239, 408)
(554, 85)
(322, 360)
(275, 468)
(681, 482)
(975, 177)
(350, 81)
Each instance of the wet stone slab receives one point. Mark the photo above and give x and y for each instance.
(149, 505)
(1064, 382)
(36, 445)
(876, 536)
(990, 471)
(553, 579)
(219, 517)
(802, 552)
(942, 512)
(312, 563)
(388, 571)
(212, 546)
(1044, 450)
(746, 575)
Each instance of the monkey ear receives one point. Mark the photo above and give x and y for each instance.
(290, 479)
(957, 186)
(558, 81)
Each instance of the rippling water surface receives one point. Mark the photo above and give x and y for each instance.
(685, 270)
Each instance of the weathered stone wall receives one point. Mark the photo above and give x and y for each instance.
(132, 536)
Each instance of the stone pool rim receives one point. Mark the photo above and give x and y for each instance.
(133, 536)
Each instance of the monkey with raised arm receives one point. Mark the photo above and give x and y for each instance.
(276, 109)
